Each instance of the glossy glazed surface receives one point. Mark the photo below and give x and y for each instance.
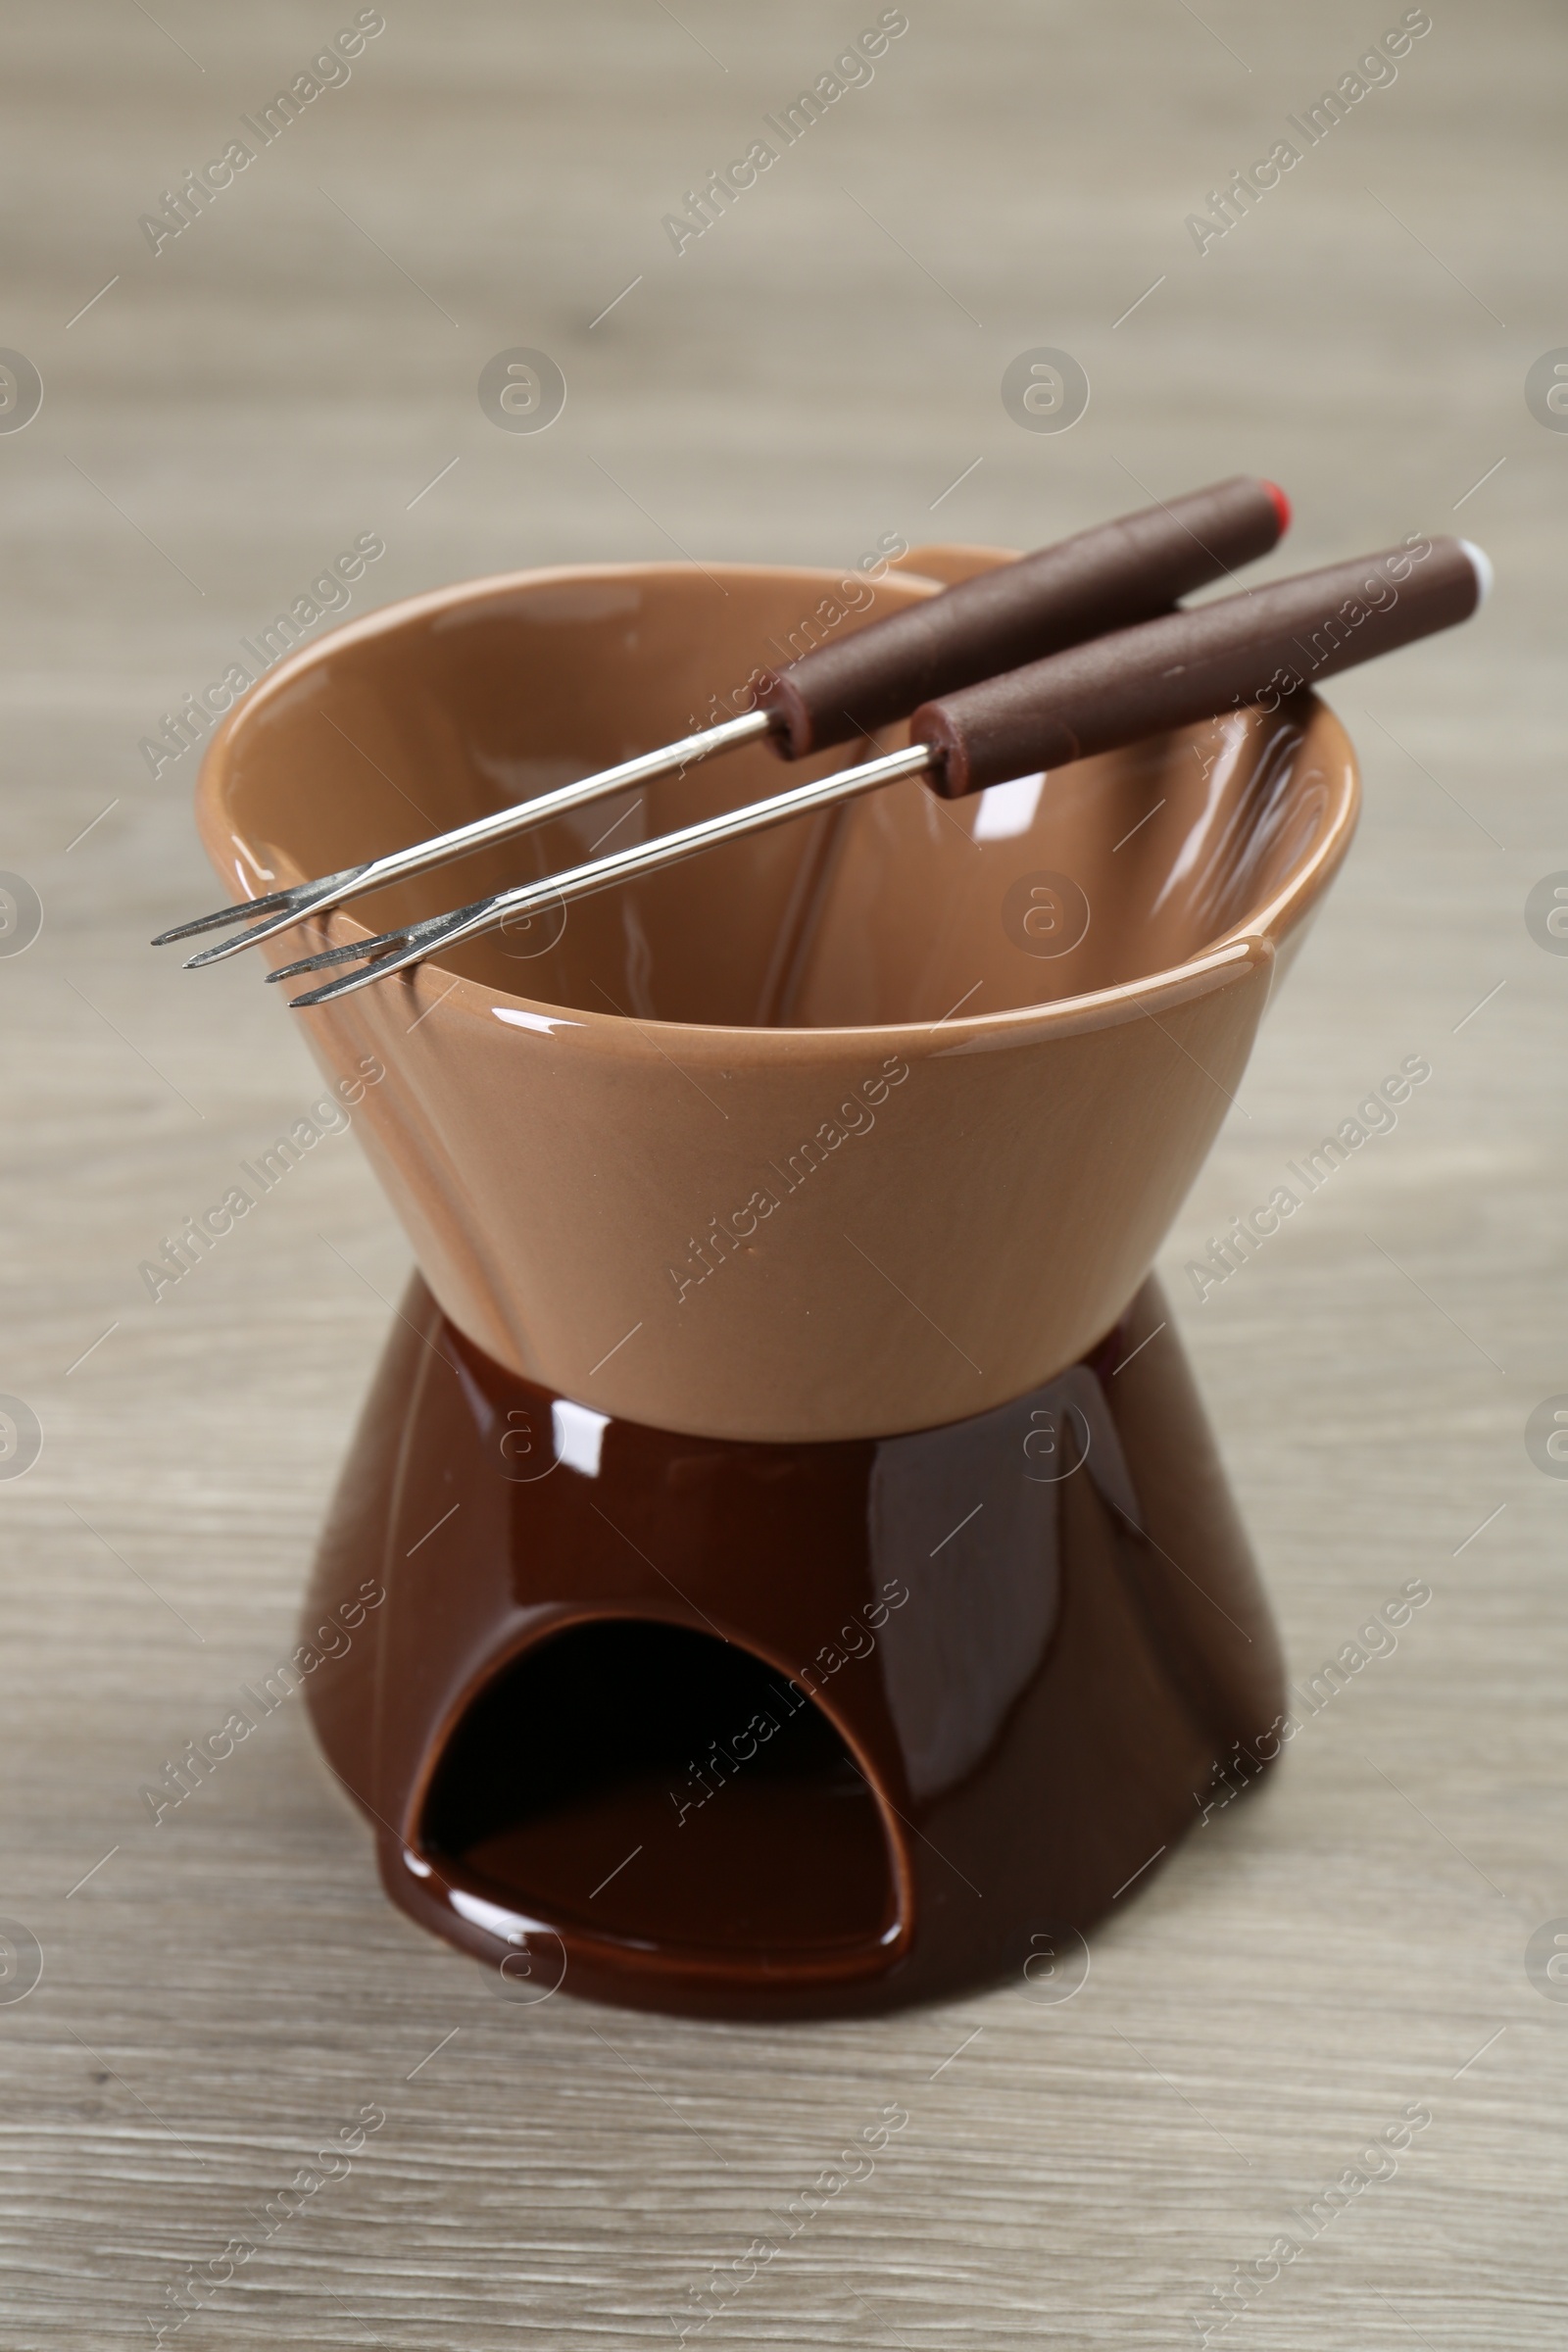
(1004, 1664)
(864, 1125)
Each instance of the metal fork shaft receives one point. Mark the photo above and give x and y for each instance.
(416, 942)
(281, 909)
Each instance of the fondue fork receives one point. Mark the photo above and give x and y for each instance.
(1255, 649)
(1102, 579)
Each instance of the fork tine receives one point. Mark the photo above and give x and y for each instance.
(281, 908)
(306, 898)
(345, 955)
(224, 914)
(411, 944)
(411, 951)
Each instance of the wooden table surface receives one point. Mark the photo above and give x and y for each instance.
(298, 365)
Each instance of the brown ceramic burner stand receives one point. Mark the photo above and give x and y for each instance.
(807, 1581)
(784, 1729)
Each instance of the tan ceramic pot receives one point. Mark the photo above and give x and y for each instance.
(868, 1124)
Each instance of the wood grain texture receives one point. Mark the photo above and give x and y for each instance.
(229, 1986)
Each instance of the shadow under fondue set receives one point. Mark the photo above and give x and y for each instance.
(810, 1582)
